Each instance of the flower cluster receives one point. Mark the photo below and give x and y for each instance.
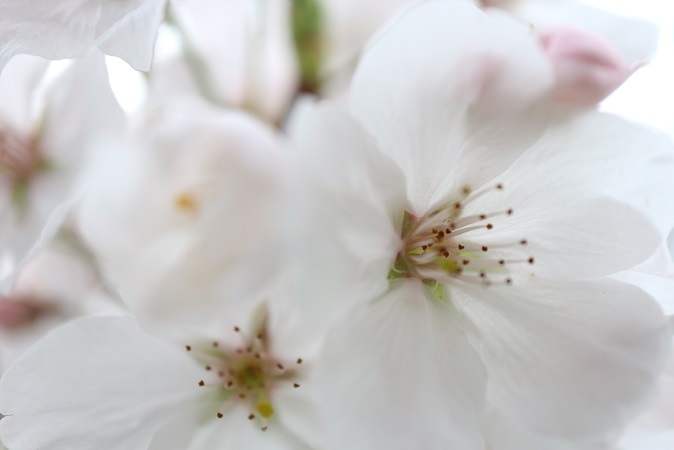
(331, 224)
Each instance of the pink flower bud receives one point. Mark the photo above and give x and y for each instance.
(587, 67)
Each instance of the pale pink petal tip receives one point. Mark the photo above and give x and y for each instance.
(587, 67)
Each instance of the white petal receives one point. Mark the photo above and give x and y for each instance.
(17, 89)
(95, 383)
(36, 28)
(504, 432)
(588, 178)
(128, 30)
(125, 28)
(654, 430)
(636, 162)
(655, 276)
(402, 374)
(449, 114)
(350, 195)
(575, 360)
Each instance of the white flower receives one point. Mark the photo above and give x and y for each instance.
(45, 138)
(106, 383)
(192, 225)
(124, 28)
(467, 257)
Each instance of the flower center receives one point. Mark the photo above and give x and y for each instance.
(20, 161)
(245, 373)
(17, 312)
(442, 247)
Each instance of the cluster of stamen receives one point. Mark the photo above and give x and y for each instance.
(20, 160)
(245, 373)
(441, 247)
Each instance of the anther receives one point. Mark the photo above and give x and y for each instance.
(509, 212)
(299, 360)
(530, 260)
(465, 190)
(524, 242)
(461, 247)
(466, 262)
(280, 366)
(208, 367)
(501, 261)
(489, 226)
(259, 336)
(265, 409)
(201, 383)
(499, 186)
(219, 415)
(215, 344)
(264, 428)
(251, 417)
(457, 205)
(295, 385)
(237, 329)
(483, 275)
(509, 281)
(485, 248)
(188, 348)
(230, 383)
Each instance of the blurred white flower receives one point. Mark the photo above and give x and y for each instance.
(197, 209)
(46, 136)
(465, 263)
(71, 28)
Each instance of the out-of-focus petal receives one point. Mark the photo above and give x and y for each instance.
(95, 383)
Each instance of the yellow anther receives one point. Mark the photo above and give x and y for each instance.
(265, 409)
(186, 202)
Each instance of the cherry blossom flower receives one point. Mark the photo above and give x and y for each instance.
(46, 137)
(196, 211)
(241, 387)
(468, 241)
